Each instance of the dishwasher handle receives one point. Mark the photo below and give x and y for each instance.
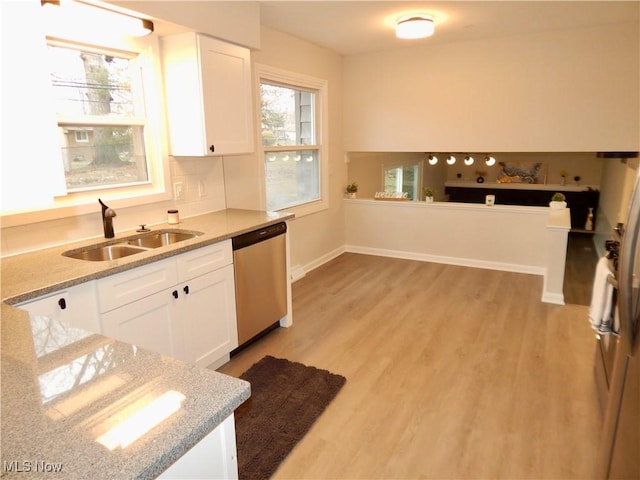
(258, 236)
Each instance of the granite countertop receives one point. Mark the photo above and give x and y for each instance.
(30, 275)
(64, 388)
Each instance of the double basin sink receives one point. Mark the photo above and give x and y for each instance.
(124, 247)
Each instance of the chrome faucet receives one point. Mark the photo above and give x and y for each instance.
(107, 220)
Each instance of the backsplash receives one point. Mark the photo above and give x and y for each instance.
(194, 173)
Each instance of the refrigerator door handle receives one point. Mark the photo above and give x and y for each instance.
(628, 251)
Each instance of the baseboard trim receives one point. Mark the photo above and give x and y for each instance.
(555, 298)
(463, 262)
(300, 271)
(297, 273)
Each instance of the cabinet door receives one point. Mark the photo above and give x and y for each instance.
(76, 306)
(212, 457)
(208, 95)
(226, 84)
(208, 317)
(150, 323)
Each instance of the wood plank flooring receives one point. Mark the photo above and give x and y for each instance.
(452, 372)
(579, 269)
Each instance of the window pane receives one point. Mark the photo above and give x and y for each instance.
(292, 178)
(106, 156)
(91, 84)
(402, 179)
(288, 116)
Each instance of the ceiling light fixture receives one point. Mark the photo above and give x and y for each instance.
(77, 16)
(451, 160)
(415, 26)
(490, 160)
(433, 160)
(468, 160)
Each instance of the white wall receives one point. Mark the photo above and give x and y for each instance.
(458, 233)
(320, 235)
(570, 90)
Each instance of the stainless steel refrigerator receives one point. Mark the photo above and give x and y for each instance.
(621, 433)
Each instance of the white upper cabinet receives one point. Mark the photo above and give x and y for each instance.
(208, 95)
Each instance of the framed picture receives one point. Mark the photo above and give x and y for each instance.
(522, 172)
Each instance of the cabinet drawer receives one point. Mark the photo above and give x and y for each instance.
(204, 260)
(126, 287)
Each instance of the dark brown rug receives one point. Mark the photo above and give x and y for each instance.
(286, 398)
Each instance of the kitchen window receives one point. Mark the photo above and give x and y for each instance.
(101, 120)
(292, 110)
(76, 128)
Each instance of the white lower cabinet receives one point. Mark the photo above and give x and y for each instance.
(182, 306)
(151, 323)
(208, 317)
(75, 306)
(192, 320)
(212, 457)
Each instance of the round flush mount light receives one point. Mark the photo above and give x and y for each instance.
(468, 160)
(451, 160)
(433, 160)
(415, 26)
(490, 160)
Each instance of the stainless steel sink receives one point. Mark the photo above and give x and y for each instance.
(107, 252)
(160, 238)
(124, 247)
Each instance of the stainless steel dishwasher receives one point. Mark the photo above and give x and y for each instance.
(259, 259)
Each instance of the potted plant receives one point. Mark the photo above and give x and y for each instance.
(351, 190)
(558, 201)
(428, 195)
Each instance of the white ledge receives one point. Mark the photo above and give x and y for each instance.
(559, 220)
(455, 206)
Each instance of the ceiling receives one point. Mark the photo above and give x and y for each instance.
(353, 27)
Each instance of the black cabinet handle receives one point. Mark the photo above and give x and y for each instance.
(175, 294)
(186, 289)
(212, 148)
(62, 303)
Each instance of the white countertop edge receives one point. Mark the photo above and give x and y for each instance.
(559, 220)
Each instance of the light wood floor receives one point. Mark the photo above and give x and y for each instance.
(580, 269)
(452, 372)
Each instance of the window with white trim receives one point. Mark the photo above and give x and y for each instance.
(35, 187)
(101, 117)
(402, 178)
(291, 108)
